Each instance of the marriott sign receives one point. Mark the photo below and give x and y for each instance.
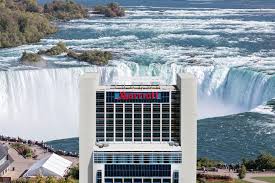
(137, 95)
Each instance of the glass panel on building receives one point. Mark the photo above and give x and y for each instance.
(156, 122)
(137, 122)
(99, 176)
(176, 177)
(100, 116)
(147, 122)
(128, 122)
(119, 122)
(108, 180)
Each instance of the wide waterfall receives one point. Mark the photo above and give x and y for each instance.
(34, 100)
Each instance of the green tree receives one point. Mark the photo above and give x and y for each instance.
(265, 161)
(74, 172)
(2, 3)
(242, 172)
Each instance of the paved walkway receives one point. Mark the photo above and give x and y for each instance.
(20, 164)
(249, 176)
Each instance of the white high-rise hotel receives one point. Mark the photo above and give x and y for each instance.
(138, 133)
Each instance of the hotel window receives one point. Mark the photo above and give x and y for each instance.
(156, 181)
(108, 180)
(100, 116)
(119, 122)
(138, 158)
(156, 122)
(128, 122)
(127, 180)
(176, 177)
(137, 180)
(166, 181)
(147, 122)
(175, 116)
(136, 170)
(137, 122)
(118, 180)
(147, 181)
(109, 122)
(99, 176)
(165, 122)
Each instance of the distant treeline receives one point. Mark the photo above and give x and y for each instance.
(263, 162)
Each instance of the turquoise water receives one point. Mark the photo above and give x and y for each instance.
(227, 45)
(229, 138)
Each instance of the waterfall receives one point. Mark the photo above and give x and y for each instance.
(34, 100)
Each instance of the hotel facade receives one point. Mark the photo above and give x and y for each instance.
(138, 133)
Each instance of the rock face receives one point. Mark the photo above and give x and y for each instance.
(110, 10)
(92, 56)
(33, 59)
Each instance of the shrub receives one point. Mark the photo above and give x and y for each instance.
(65, 10)
(92, 56)
(56, 50)
(24, 21)
(23, 150)
(74, 172)
(214, 177)
(20, 27)
(31, 57)
(110, 10)
(242, 172)
(207, 163)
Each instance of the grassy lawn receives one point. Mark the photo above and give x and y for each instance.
(266, 179)
(241, 181)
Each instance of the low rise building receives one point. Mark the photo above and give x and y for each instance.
(5, 160)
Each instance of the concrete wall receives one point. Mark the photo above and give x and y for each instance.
(188, 114)
(87, 125)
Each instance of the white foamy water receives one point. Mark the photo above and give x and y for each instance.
(38, 99)
(230, 51)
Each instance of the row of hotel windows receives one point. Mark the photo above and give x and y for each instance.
(175, 179)
(137, 122)
(138, 158)
(130, 170)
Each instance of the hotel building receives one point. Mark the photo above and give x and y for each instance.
(138, 133)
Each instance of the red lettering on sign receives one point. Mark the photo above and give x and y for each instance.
(123, 96)
(147, 96)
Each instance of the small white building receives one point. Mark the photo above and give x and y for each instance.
(52, 165)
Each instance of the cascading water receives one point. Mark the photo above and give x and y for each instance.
(34, 100)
